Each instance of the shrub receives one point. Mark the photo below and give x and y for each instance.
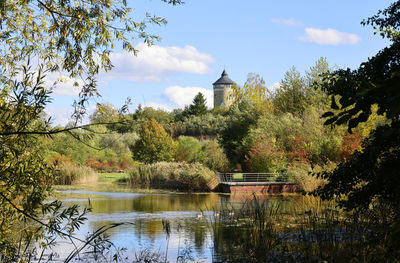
(214, 157)
(177, 175)
(203, 126)
(266, 157)
(188, 149)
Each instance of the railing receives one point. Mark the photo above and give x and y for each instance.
(252, 177)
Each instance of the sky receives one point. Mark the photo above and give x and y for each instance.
(204, 37)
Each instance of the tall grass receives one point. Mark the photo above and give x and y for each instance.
(70, 173)
(177, 176)
(312, 231)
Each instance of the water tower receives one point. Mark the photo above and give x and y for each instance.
(223, 91)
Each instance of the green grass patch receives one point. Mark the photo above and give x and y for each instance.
(113, 177)
(237, 176)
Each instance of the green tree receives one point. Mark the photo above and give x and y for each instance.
(188, 149)
(314, 79)
(291, 96)
(147, 113)
(213, 156)
(104, 112)
(198, 106)
(73, 38)
(243, 116)
(112, 118)
(369, 177)
(154, 145)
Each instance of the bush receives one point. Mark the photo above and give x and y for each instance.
(214, 157)
(266, 157)
(204, 126)
(188, 149)
(302, 174)
(179, 175)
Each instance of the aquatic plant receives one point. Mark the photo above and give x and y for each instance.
(174, 175)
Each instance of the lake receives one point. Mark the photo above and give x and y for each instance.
(190, 216)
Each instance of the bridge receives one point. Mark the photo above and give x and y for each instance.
(255, 182)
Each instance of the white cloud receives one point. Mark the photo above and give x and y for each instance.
(62, 115)
(274, 87)
(156, 63)
(329, 37)
(183, 96)
(59, 115)
(286, 21)
(65, 85)
(159, 106)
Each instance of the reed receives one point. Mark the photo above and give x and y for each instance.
(310, 231)
(70, 173)
(173, 175)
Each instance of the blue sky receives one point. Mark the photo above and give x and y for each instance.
(202, 37)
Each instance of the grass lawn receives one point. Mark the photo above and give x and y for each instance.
(113, 177)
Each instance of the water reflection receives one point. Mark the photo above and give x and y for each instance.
(190, 216)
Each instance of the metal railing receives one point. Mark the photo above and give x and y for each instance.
(252, 177)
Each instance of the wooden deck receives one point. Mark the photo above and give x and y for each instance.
(255, 182)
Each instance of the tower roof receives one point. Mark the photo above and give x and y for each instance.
(224, 79)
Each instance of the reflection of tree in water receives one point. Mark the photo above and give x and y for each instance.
(197, 231)
(156, 203)
(145, 211)
(149, 229)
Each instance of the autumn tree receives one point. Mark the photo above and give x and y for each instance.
(243, 116)
(369, 178)
(255, 90)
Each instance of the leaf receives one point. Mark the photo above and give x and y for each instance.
(327, 114)
(343, 119)
(333, 103)
(330, 121)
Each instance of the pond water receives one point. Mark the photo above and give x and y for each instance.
(189, 214)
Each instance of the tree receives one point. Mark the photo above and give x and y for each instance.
(266, 157)
(198, 106)
(243, 116)
(213, 157)
(147, 113)
(254, 89)
(188, 149)
(291, 96)
(154, 145)
(105, 112)
(369, 177)
(75, 39)
(314, 79)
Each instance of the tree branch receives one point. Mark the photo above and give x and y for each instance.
(51, 132)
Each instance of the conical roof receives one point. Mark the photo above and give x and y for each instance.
(224, 79)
